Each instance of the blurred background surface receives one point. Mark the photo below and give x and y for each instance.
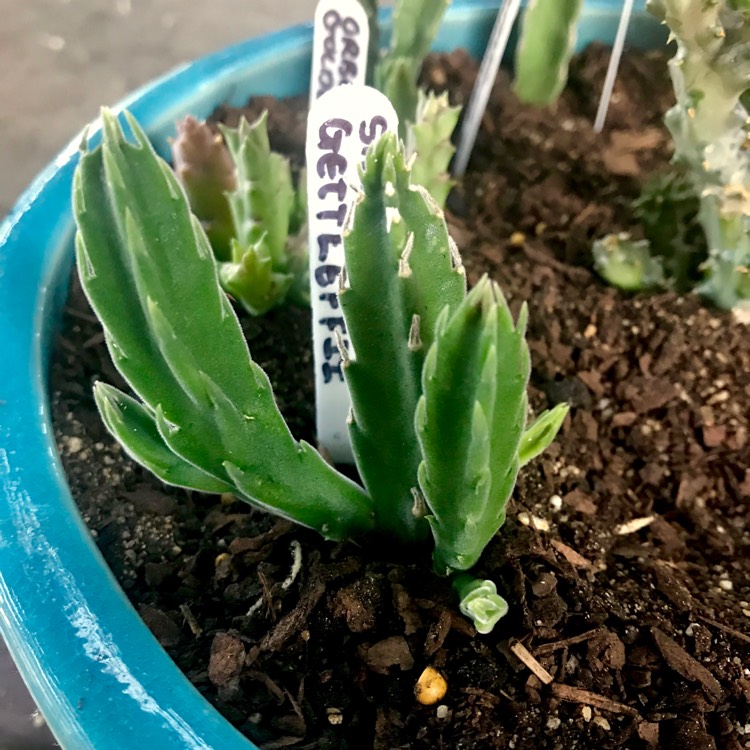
(60, 60)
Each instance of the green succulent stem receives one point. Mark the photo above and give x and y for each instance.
(204, 167)
(429, 139)
(203, 415)
(373, 51)
(470, 421)
(401, 271)
(709, 124)
(266, 261)
(546, 44)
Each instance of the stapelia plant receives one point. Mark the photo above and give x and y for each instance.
(709, 125)
(438, 382)
(546, 44)
(244, 195)
(428, 138)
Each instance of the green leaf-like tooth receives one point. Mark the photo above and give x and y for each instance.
(546, 44)
(379, 306)
(151, 278)
(537, 437)
(474, 389)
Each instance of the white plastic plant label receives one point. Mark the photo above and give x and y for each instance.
(341, 126)
(340, 43)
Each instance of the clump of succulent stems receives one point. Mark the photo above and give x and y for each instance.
(710, 127)
(254, 217)
(244, 193)
(438, 381)
(545, 46)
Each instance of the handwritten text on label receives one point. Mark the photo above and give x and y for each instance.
(336, 144)
(340, 43)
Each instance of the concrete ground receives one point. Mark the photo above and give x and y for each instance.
(60, 60)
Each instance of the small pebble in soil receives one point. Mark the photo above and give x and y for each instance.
(335, 717)
(431, 687)
(540, 524)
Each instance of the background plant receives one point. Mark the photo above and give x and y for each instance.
(438, 383)
(545, 45)
(426, 120)
(709, 124)
(254, 217)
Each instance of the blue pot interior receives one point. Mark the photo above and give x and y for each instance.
(100, 678)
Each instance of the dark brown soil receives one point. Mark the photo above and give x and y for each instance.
(626, 552)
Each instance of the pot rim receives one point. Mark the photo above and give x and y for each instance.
(92, 666)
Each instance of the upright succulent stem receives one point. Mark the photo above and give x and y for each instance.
(544, 49)
(401, 271)
(709, 124)
(429, 137)
(373, 52)
(204, 167)
(470, 421)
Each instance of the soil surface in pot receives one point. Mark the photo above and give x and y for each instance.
(625, 554)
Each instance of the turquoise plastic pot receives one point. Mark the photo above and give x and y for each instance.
(100, 678)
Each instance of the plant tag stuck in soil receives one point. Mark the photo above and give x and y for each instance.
(341, 126)
(614, 64)
(493, 56)
(340, 44)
